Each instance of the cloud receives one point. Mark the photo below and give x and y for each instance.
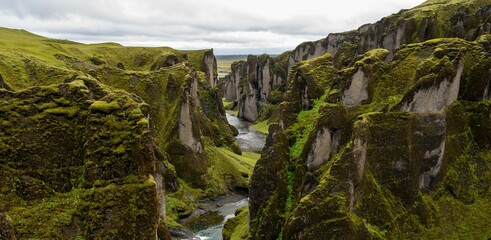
(219, 24)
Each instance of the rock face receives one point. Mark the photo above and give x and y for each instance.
(181, 111)
(357, 91)
(435, 98)
(430, 20)
(268, 192)
(387, 148)
(251, 82)
(85, 151)
(210, 68)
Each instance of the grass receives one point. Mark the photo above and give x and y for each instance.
(54, 60)
(248, 158)
(304, 125)
(228, 106)
(262, 126)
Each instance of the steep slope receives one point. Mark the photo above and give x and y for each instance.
(251, 82)
(186, 118)
(381, 143)
(76, 158)
(382, 149)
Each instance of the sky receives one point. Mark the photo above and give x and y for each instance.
(227, 26)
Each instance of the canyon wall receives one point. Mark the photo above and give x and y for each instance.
(430, 20)
(95, 133)
(393, 146)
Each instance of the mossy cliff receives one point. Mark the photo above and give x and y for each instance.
(255, 84)
(388, 147)
(178, 99)
(77, 160)
(251, 82)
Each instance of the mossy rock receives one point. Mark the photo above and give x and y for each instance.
(268, 192)
(6, 230)
(236, 228)
(100, 178)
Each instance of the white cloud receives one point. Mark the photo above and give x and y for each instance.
(253, 25)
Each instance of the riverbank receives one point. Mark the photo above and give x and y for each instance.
(208, 220)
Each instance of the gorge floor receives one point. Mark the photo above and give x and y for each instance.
(249, 140)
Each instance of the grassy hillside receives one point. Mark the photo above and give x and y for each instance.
(173, 86)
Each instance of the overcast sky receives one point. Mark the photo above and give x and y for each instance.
(228, 26)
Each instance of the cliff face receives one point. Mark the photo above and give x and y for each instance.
(388, 147)
(79, 157)
(432, 19)
(250, 83)
(183, 117)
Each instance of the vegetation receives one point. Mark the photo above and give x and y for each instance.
(128, 98)
(372, 185)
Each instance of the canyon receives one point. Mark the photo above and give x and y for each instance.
(382, 132)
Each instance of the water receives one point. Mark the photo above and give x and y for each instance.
(249, 140)
(227, 210)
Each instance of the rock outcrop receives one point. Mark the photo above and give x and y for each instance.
(182, 112)
(251, 82)
(81, 159)
(430, 20)
(386, 137)
(268, 192)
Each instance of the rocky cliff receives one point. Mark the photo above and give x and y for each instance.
(251, 83)
(386, 133)
(432, 19)
(79, 157)
(388, 147)
(187, 137)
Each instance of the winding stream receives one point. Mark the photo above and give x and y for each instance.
(249, 140)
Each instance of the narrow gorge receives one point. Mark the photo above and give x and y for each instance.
(381, 132)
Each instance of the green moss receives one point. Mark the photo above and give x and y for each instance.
(44, 189)
(303, 126)
(49, 217)
(262, 126)
(136, 202)
(103, 106)
(67, 111)
(143, 121)
(236, 228)
(459, 221)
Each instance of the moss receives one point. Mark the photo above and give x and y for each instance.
(48, 218)
(103, 106)
(268, 192)
(143, 121)
(262, 126)
(275, 97)
(236, 228)
(67, 111)
(181, 203)
(134, 203)
(303, 126)
(6, 231)
(44, 190)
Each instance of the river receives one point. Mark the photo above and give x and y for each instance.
(249, 140)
